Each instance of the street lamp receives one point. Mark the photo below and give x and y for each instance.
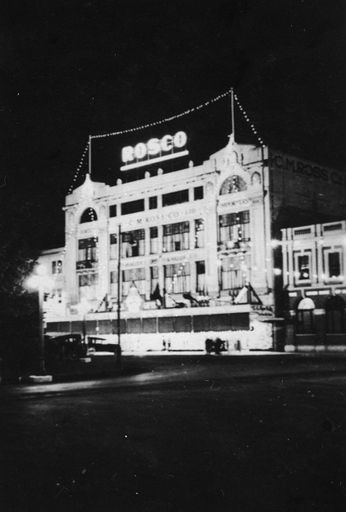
(40, 281)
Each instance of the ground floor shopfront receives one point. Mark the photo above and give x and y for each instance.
(185, 329)
(317, 322)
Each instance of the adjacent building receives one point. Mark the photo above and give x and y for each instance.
(314, 262)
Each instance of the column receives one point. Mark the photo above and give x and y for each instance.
(192, 235)
(70, 259)
(260, 246)
(103, 254)
(193, 277)
(211, 267)
(147, 280)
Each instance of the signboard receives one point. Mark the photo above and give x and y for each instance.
(281, 162)
(153, 151)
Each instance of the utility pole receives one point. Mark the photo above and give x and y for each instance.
(118, 294)
(42, 365)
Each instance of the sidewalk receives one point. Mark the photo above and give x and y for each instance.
(65, 371)
(241, 365)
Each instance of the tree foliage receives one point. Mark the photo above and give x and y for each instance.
(19, 248)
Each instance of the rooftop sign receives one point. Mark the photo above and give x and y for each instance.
(155, 150)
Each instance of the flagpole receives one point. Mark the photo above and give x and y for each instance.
(89, 154)
(232, 113)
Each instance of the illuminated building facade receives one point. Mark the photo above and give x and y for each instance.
(197, 249)
(314, 263)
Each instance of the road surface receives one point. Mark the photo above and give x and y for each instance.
(183, 434)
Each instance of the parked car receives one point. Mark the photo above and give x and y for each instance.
(98, 344)
(64, 346)
(216, 346)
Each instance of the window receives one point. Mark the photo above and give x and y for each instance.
(113, 210)
(88, 286)
(154, 279)
(132, 207)
(152, 203)
(177, 278)
(332, 227)
(200, 277)
(133, 243)
(234, 228)
(199, 233)
(153, 240)
(303, 267)
(182, 196)
(113, 242)
(56, 295)
(176, 236)
(134, 276)
(198, 193)
(57, 267)
(89, 215)
(233, 273)
(305, 316)
(87, 249)
(334, 265)
(233, 184)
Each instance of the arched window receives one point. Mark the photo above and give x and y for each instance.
(305, 316)
(335, 314)
(256, 178)
(233, 184)
(89, 215)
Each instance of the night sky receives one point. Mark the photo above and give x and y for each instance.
(74, 68)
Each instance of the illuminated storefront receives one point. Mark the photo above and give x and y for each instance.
(197, 258)
(314, 263)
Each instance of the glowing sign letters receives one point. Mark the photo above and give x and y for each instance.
(154, 147)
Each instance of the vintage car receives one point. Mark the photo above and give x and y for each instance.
(64, 346)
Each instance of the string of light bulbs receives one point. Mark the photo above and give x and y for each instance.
(166, 120)
(247, 119)
(79, 166)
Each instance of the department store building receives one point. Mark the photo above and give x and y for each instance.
(196, 250)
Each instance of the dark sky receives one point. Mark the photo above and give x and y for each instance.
(74, 68)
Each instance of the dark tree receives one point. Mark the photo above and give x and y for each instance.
(19, 248)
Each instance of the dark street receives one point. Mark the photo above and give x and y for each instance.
(184, 433)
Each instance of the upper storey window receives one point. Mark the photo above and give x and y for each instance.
(198, 193)
(233, 184)
(181, 196)
(89, 215)
(87, 249)
(57, 267)
(176, 236)
(133, 243)
(132, 207)
(113, 210)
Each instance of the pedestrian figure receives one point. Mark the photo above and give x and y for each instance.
(208, 346)
(218, 345)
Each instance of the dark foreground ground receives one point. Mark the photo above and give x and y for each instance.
(183, 434)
